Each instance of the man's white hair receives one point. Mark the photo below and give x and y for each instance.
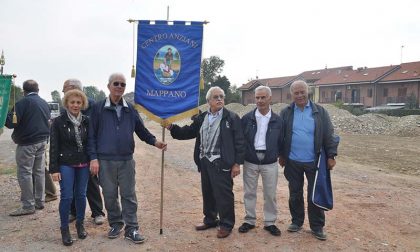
(208, 95)
(299, 82)
(75, 83)
(267, 89)
(114, 76)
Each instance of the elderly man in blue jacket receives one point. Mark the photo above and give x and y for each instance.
(111, 147)
(30, 133)
(262, 131)
(306, 129)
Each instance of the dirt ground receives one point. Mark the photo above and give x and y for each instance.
(376, 191)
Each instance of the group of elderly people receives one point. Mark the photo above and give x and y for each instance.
(101, 143)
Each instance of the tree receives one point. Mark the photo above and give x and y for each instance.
(210, 68)
(101, 96)
(91, 92)
(56, 97)
(235, 95)
(16, 93)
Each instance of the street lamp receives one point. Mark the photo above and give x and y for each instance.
(401, 52)
(2, 62)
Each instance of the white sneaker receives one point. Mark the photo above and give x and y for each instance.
(99, 220)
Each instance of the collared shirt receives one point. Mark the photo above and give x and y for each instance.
(212, 117)
(122, 103)
(302, 147)
(262, 126)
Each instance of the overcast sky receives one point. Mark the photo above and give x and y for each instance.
(53, 40)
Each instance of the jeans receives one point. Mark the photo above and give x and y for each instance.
(77, 177)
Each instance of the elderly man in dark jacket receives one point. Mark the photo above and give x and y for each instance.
(218, 153)
(262, 130)
(306, 128)
(31, 132)
(111, 147)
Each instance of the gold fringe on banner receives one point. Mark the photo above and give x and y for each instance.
(167, 121)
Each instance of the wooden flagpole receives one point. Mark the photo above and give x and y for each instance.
(163, 163)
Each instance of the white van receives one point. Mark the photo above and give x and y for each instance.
(54, 109)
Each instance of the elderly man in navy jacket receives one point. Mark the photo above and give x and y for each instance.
(111, 148)
(306, 128)
(31, 132)
(262, 130)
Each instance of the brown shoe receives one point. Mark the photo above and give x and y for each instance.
(49, 198)
(223, 233)
(204, 226)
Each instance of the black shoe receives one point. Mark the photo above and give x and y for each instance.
(319, 234)
(245, 227)
(115, 231)
(294, 227)
(134, 236)
(39, 207)
(81, 232)
(66, 237)
(273, 230)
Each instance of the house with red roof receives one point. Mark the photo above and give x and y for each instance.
(367, 87)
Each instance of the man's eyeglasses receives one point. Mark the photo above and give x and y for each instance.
(217, 97)
(121, 84)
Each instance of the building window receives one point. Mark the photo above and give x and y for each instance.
(402, 92)
(333, 95)
(323, 94)
(385, 92)
(289, 96)
(369, 92)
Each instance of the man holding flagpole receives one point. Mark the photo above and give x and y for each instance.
(307, 129)
(218, 153)
(111, 146)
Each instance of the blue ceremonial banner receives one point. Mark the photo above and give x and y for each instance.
(168, 69)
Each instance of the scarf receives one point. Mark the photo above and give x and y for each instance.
(76, 121)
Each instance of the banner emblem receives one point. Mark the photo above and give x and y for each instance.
(167, 64)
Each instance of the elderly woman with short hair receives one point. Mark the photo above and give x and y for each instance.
(69, 161)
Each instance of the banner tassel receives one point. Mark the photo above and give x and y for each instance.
(133, 72)
(14, 120)
(201, 83)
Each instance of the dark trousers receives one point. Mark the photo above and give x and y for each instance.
(217, 190)
(93, 195)
(294, 172)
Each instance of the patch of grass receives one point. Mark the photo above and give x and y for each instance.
(8, 170)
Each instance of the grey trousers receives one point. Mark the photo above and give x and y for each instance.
(114, 175)
(269, 175)
(31, 174)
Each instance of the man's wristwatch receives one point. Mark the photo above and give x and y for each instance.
(332, 157)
